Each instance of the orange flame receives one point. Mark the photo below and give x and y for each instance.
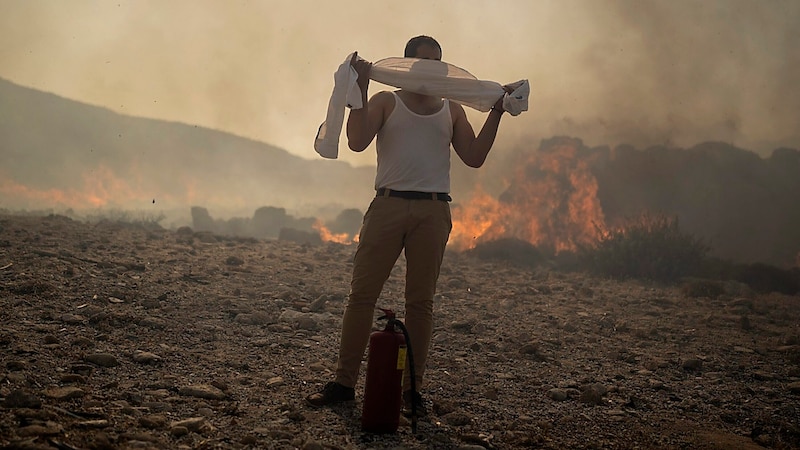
(328, 236)
(551, 202)
(100, 188)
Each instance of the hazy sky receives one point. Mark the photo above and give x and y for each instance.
(607, 71)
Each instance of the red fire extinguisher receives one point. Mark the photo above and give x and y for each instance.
(383, 389)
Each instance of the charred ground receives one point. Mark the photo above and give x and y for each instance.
(123, 336)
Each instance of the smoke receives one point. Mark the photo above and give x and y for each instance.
(611, 72)
(679, 73)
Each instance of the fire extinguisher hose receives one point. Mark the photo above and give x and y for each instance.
(412, 372)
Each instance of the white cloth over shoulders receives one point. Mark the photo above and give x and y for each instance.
(423, 76)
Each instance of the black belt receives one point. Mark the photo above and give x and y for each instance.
(414, 195)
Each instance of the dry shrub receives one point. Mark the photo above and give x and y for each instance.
(764, 278)
(700, 287)
(761, 278)
(300, 236)
(513, 250)
(651, 247)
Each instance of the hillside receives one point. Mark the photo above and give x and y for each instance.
(87, 156)
(58, 153)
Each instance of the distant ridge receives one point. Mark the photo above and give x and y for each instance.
(52, 144)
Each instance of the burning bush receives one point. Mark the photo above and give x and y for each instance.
(650, 247)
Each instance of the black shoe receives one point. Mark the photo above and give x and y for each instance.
(331, 394)
(414, 399)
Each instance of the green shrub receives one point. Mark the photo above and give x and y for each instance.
(649, 247)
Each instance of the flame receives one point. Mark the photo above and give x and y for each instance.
(551, 202)
(328, 236)
(102, 187)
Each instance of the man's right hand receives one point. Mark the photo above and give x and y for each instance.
(363, 68)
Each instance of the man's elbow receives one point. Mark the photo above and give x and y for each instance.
(356, 146)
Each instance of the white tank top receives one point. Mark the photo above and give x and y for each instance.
(414, 150)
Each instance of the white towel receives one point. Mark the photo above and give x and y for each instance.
(423, 76)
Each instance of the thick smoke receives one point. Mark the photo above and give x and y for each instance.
(612, 72)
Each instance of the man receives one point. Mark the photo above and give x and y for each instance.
(410, 212)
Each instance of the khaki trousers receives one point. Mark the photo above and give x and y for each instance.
(391, 224)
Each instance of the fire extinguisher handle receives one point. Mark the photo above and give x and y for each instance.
(387, 314)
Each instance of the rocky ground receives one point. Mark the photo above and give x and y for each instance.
(123, 336)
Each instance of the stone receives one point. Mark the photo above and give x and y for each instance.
(47, 429)
(692, 365)
(102, 359)
(146, 357)
(202, 391)
(64, 393)
(153, 421)
(21, 399)
(457, 419)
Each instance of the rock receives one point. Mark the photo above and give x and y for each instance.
(151, 303)
(249, 440)
(202, 391)
(312, 445)
(16, 365)
(179, 431)
(307, 323)
(83, 342)
(463, 326)
(491, 393)
(592, 394)
(153, 421)
(763, 375)
(146, 357)
(558, 395)
(191, 424)
(21, 399)
(318, 304)
(102, 359)
(219, 384)
(794, 387)
(275, 381)
(530, 348)
(72, 319)
(692, 364)
(99, 423)
(64, 393)
(82, 369)
(194, 424)
(47, 429)
(73, 378)
(257, 318)
(153, 323)
(457, 419)
(234, 261)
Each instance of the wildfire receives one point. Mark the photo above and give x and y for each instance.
(551, 202)
(327, 236)
(101, 187)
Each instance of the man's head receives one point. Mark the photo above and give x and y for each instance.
(424, 47)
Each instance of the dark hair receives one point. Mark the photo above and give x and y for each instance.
(415, 42)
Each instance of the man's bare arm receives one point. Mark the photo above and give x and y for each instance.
(470, 148)
(363, 124)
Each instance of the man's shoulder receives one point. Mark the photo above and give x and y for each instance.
(383, 98)
(456, 110)
(383, 95)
